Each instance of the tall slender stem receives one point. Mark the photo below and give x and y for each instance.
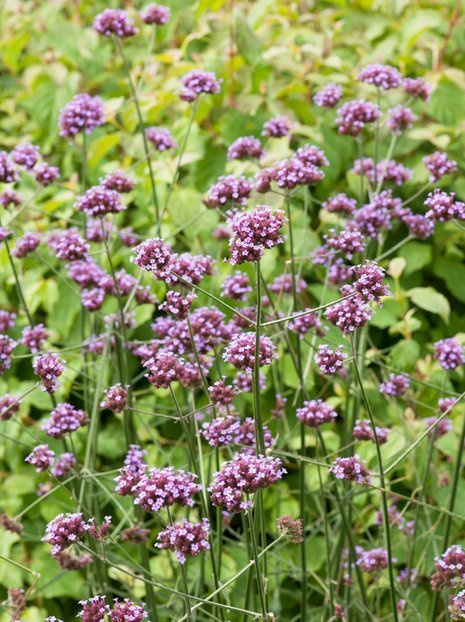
(382, 482)
(19, 290)
(142, 131)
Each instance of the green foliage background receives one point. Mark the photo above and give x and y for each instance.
(272, 55)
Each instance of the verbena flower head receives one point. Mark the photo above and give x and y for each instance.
(222, 393)
(418, 225)
(8, 171)
(26, 244)
(352, 469)
(457, 607)
(82, 114)
(220, 431)
(245, 147)
(349, 241)
(277, 127)
(236, 286)
(245, 434)
(49, 368)
(160, 488)
(329, 96)
(133, 469)
(34, 337)
(253, 232)
(128, 237)
(450, 568)
(120, 181)
(242, 476)
(392, 171)
(290, 528)
(372, 561)
(228, 190)
(354, 115)
(384, 76)
(9, 197)
(241, 351)
(41, 458)
(163, 369)
(10, 524)
(397, 385)
(64, 419)
(196, 82)
(316, 412)
(400, 118)
(439, 165)
(443, 427)
(116, 398)
(64, 530)
(294, 172)
(7, 320)
(330, 361)
(25, 155)
(442, 206)
(69, 245)
(7, 345)
(449, 353)
(303, 323)
(158, 14)
(98, 202)
(94, 609)
(115, 22)
(160, 138)
(310, 154)
(282, 284)
(185, 539)
(127, 611)
(349, 314)
(263, 179)
(63, 465)
(446, 404)
(9, 405)
(340, 203)
(153, 255)
(368, 283)
(417, 87)
(363, 431)
(45, 174)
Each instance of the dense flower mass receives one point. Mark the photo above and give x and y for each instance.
(383, 76)
(277, 127)
(160, 488)
(354, 115)
(157, 14)
(449, 353)
(397, 385)
(241, 351)
(116, 398)
(26, 244)
(7, 345)
(450, 566)
(49, 368)
(241, 477)
(65, 530)
(115, 22)
(438, 164)
(228, 191)
(196, 82)
(329, 96)
(330, 361)
(351, 469)
(160, 138)
(41, 458)
(253, 232)
(316, 412)
(185, 539)
(25, 155)
(64, 419)
(245, 147)
(82, 114)
(98, 202)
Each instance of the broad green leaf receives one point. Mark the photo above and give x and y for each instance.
(429, 299)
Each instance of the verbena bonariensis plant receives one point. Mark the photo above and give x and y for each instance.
(220, 423)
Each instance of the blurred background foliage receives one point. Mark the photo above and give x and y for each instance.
(272, 56)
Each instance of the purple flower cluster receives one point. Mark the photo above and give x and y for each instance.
(160, 138)
(26, 244)
(349, 314)
(116, 398)
(457, 607)
(354, 115)
(115, 22)
(157, 14)
(64, 419)
(305, 321)
(290, 528)
(69, 245)
(221, 431)
(242, 476)
(329, 96)
(449, 353)
(160, 488)
(368, 284)
(450, 568)
(98, 202)
(294, 172)
(65, 530)
(133, 469)
(41, 458)
(127, 611)
(45, 174)
(349, 241)
(94, 609)
(383, 76)
(8, 172)
(372, 561)
(120, 181)
(397, 385)
(164, 369)
(9, 405)
(245, 147)
(417, 87)
(7, 320)
(222, 393)
(439, 165)
(25, 155)
(49, 368)
(7, 345)
(63, 465)
(240, 352)
(186, 539)
(316, 412)
(400, 118)
(363, 431)
(196, 82)
(351, 469)
(228, 190)
(236, 286)
(82, 114)
(253, 232)
(340, 203)
(277, 127)
(330, 361)
(443, 206)
(443, 427)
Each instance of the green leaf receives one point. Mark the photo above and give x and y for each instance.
(405, 354)
(448, 103)
(453, 274)
(429, 299)
(247, 43)
(417, 255)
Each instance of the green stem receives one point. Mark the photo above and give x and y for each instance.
(383, 485)
(18, 285)
(260, 586)
(142, 131)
